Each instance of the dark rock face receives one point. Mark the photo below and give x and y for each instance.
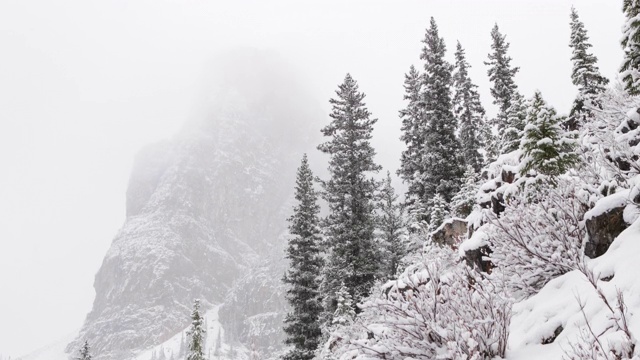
(477, 259)
(203, 210)
(602, 230)
(450, 233)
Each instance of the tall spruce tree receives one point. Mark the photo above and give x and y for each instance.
(391, 229)
(302, 324)
(585, 73)
(501, 74)
(546, 148)
(442, 163)
(413, 135)
(516, 120)
(195, 334)
(85, 352)
(349, 228)
(468, 110)
(630, 69)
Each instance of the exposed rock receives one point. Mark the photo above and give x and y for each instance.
(497, 203)
(450, 232)
(477, 258)
(203, 210)
(602, 229)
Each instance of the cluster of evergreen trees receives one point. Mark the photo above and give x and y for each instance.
(335, 260)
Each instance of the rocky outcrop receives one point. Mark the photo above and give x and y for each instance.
(203, 210)
(451, 232)
(479, 258)
(603, 229)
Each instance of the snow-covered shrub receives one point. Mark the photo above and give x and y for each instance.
(438, 308)
(620, 342)
(537, 240)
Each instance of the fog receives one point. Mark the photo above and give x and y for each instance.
(85, 84)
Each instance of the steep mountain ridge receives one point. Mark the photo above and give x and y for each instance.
(202, 210)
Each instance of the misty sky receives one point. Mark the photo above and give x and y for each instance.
(85, 83)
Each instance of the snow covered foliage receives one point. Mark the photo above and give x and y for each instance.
(439, 212)
(196, 334)
(610, 143)
(302, 324)
(442, 163)
(353, 256)
(501, 74)
(345, 313)
(546, 148)
(585, 73)
(468, 110)
(465, 199)
(391, 230)
(630, 69)
(516, 120)
(438, 308)
(413, 128)
(536, 241)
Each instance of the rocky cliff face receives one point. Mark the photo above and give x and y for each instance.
(202, 210)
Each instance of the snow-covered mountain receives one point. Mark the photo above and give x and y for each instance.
(206, 217)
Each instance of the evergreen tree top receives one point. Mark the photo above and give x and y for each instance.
(630, 69)
(585, 73)
(501, 72)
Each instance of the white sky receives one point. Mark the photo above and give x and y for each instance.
(85, 83)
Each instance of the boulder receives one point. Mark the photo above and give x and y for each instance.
(450, 232)
(478, 258)
(603, 228)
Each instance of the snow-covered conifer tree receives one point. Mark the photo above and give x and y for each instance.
(546, 147)
(350, 193)
(630, 69)
(439, 212)
(463, 202)
(585, 73)
(302, 324)
(391, 229)
(84, 353)
(196, 334)
(468, 110)
(516, 120)
(344, 313)
(442, 162)
(501, 74)
(413, 135)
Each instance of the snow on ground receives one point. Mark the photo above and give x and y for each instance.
(51, 352)
(558, 304)
(171, 346)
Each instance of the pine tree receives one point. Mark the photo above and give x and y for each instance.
(344, 313)
(413, 135)
(350, 225)
(630, 69)
(585, 73)
(84, 353)
(439, 212)
(196, 334)
(501, 74)
(392, 229)
(468, 110)
(161, 355)
(463, 202)
(442, 164)
(302, 324)
(516, 120)
(546, 149)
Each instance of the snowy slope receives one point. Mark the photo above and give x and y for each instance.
(558, 304)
